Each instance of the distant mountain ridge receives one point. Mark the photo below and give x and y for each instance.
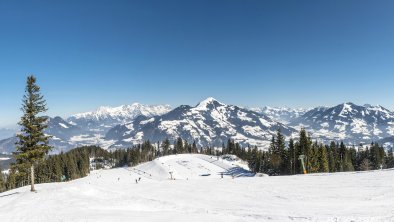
(106, 117)
(89, 128)
(281, 114)
(210, 123)
(348, 122)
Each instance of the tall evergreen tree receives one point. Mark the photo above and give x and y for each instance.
(292, 156)
(281, 149)
(2, 182)
(313, 158)
(304, 144)
(165, 145)
(390, 159)
(194, 147)
(323, 159)
(179, 145)
(32, 145)
(332, 157)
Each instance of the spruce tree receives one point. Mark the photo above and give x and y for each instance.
(292, 156)
(166, 147)
(179, 145)
(332, 155)
(2, 182)
(305, 144)
(32, 145)
(323, 159)
(390, 159)
(194, 147)
(313, 158)
(274, 157)
(281, 149)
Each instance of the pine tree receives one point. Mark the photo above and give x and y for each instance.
(332, 154)
(179, 145)
(230, 146)
(313, 158)
(11, 180)
(166, 147)
(292, 156)
(341, 157)
(281, 151)
(2, 182)
(305, 144)
(376, 156)
(390, 159)
(32, 145)
(274, 157)
(323, 159)
(194, 147)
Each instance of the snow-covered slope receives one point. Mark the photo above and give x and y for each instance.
(281, 114)
(113, 195)
(210, 123)
(348, 122)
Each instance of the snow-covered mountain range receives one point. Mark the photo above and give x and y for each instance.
(89, 128)
(106, 117)
(281, 114)
(210, 123)
(348, 122)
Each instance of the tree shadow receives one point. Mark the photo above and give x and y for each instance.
(238, 172)
(6, 195)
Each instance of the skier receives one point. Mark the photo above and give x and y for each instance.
(136, 181)
(139, 179)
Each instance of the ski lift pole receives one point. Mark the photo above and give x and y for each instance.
(302, 157)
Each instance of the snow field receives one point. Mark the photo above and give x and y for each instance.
(113, 195)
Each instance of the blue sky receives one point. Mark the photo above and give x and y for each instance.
(250, 53)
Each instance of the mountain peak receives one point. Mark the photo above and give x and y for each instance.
(348, 104)
(208, 101)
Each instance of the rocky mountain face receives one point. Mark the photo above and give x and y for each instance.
(105, 118)
(210, 123)
(89, 128)
(348, 122)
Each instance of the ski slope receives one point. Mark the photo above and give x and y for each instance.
(198, 193)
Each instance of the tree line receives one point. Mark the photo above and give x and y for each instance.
(62, 167)
(279, 159)
(282, 159)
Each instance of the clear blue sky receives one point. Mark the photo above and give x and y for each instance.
(250, 53)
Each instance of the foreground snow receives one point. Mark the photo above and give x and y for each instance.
(199, 194)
